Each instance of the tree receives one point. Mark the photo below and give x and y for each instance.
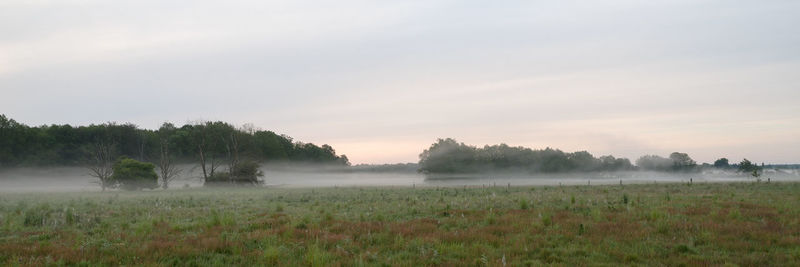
(343, 160)
(721, 163)
(271, 146)
(552, 160)
(166, 167)
(246, 172)
(756, 173)
(208, 139)
(447, 156)
(102, 169)
(609, 163)
(682, 161)
(654, 163)
(745, 166)
(9, 140)
(232, 148)
(583, 161)
(132, 174)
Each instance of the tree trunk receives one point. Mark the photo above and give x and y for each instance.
(203, 163)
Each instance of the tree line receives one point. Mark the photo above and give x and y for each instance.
(210, 144)
(450, 156)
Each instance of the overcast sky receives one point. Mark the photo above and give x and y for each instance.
(381, 80)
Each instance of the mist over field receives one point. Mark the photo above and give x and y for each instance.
(210, 154)
(77, 179)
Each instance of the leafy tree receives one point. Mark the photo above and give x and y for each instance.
(682, 161)
(583, 161)
(552, 160)
(132, 174)
(246, 172)
(166, 166)
(102, 168)
(10, 135)
(676, 162)
(343, 160)
(745, 166)
(271, 146)
(721, 163)
(609, 163)
(654, 163)
(447, 156)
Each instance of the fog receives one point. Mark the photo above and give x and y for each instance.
(75, 179)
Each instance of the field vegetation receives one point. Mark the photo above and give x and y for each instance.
(745, 224)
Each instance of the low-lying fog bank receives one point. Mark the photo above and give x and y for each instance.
(78, 179)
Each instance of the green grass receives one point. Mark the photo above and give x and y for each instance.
(744, 224)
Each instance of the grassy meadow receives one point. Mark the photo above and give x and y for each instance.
(744, 224)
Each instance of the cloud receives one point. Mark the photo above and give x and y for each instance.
(611, 77)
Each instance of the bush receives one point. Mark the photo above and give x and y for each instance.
(246, 173)
(243, 173)
(132, 174)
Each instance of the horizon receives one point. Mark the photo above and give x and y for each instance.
(380, 82)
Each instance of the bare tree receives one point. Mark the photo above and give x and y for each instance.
(249, 128)
(232, 146)
(208, 161)
(201, 153)
(103, 162)
(166, 166)
(203, 137)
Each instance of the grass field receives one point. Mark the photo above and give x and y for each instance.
(745, 224)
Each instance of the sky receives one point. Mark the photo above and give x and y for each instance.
(381, 80)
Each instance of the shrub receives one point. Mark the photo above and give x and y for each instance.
(243, 173)
(219, 178)
(132, 174)
(246, 172)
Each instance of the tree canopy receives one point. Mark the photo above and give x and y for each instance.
(745, 166)
(721, 163)
(66, 145)
(676, 162)
(131, 174)
(450, 156)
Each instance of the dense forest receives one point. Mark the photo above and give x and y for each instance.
(210, 143)
(450, 156)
